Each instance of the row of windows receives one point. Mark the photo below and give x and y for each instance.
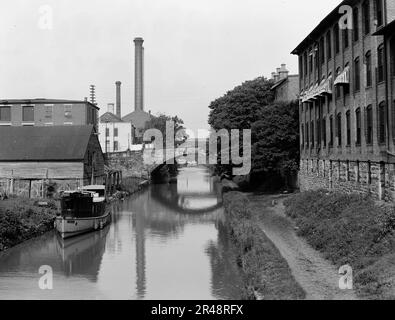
(318, 54)
(318, 128)
(115, 132)
(27, 113)
(115, 146)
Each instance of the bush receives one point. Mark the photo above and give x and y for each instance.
(22, 219)
(348, 228)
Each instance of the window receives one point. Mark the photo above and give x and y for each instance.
(368, 69)
(381, 117)
(115, 132)
(337, 38)
(356, 24)
(312, 133)
(369, 125)
(305, 64)
(346, 39)
(311, 61)
(339, 128)
(338, 89)
(301, 67)
(68, 108)
(5, 113)
(107, 132)
(366, 17)
(348, 127)
(302, 135)
(324, 131)
(380, 69)
(48, 111)
(357, 75)
(358, 126)
(318, 130)
(28, 113)
(107, 146)
(379, 12)
(346, 88)
(115, 146)
(331, 131)
(322, 50)
(307, 135)
(329, 45)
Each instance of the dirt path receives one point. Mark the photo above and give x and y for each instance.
(316, 275)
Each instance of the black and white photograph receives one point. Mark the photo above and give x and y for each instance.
(198, 156)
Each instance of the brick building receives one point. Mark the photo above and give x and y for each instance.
(347, 101)
(286, 86)
(47, 112)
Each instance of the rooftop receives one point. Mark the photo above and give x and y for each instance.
(55, 143)
(46, 101)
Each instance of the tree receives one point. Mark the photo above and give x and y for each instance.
(275, 139)
(159, 122)
(239, 108)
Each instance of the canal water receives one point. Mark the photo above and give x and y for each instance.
(166, 242)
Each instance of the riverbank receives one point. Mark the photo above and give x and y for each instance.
(317, 276)
(22, 219)
(350, 229)
(267, 275)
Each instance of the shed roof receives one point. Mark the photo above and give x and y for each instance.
(46, 101)
(55, 143)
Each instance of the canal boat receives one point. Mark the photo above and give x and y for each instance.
(82, 211)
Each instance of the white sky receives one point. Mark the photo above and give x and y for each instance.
(195, 50)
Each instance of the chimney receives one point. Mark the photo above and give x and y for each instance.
(139, 75)
(273, 75)
(110, 107)
(283, 71)
(118, 98)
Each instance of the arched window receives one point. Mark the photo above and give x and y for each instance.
(380, 63)
(358, 126)
(329, 45)
(331, 131)
(381, 122)
(336, 32)
(324, 131)
(338, 90)
(369, 125)
(357, 75)
(368, 58)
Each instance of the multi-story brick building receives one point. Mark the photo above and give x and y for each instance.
(347, 109)
(47, 112)
(286, 86)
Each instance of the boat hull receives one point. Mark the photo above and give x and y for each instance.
(71, 227)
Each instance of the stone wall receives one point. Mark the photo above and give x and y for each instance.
(375, 179)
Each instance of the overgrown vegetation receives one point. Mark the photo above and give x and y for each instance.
(22, 219)
(350, 229)
(266, 273)
(274, 127)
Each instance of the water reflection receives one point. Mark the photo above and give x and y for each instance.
(168, 242)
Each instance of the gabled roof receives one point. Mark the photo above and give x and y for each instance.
(137, 115)
(278, 83)
(53, 143)
(110, 117)
(46, 101)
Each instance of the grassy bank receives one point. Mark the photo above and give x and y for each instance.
(265, 271)
(350, 229)
(22, 219)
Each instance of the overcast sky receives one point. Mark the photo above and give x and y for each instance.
(195, 50)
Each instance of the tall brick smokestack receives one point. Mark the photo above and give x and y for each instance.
(118, 98)
(139, 75)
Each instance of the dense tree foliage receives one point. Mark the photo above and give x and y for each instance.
(159, 122)
(239, 108)
(275, 139)
(275, 128)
